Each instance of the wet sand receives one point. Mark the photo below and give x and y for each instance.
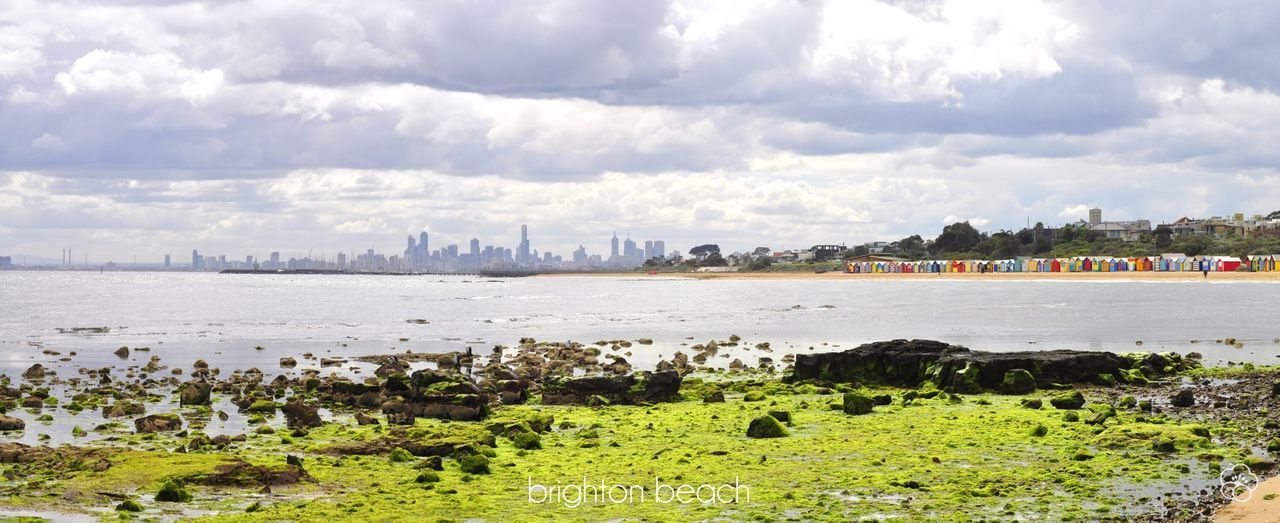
(1258, 509)
(971, 276)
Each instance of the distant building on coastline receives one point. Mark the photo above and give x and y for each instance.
(6, 262)
(1125, 230)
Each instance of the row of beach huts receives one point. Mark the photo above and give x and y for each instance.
(1164, 263)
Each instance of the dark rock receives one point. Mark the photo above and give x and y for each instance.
(1184, 398)
(158, 423)
(857, 404)
(1069, 400)
(640, 387)
(365, 419)
(298, 414)
(781, 415)
(8, 423)
(1034, 404)
(432, 462)
(765, 427)
(910, 363)
(194, 393)
(34, 372)
(122, 352)
(288, 363)
(715, 396)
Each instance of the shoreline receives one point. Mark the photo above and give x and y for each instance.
(1267, 277)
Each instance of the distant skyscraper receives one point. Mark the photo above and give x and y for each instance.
(629, 250)
(659, 249)
(195, 259)
(166, 260)
(475, 249)
(522, 252)
(613, 244)
(275, 260)
(648, 249)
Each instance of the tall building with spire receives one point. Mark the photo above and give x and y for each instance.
(522, 252)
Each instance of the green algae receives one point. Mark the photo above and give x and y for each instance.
(930, 459)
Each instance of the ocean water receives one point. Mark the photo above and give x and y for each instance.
(220, 318)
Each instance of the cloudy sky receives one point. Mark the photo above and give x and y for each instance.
(138, 127)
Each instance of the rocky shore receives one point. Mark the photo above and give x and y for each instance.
(904, 428)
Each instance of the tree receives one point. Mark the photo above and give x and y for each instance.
(714, 260)
(1274, 216)
(762, 251)
(1163, 236)
(760, 263)
(957, 237)
(705, 250)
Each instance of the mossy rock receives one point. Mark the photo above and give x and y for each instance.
(1070, 417)
(1127, 402)
(754, 395)
(1133, 376)
(399, 455)
(857, 404)
(1040, 430)
(263, 406)
(427, 476)
(474, 464)
(781, 415)
(1274, 446)
(129, 505)
(1165, 445)
(1031, 403)
(1018, 381)
(172, 492)
(1068, 401)
(765, 427)
(527, 441)
(1107, 379)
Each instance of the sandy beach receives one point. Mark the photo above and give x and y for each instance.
(1258, 509)
(998, 276)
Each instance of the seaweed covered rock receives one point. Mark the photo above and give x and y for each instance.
(1018, 381)
(765, 427)
(1068, 400)
(632, 389)
(434, 394)
(857, 404)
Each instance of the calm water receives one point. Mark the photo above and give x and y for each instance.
(221, 318)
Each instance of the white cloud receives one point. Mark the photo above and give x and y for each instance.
(290, 122)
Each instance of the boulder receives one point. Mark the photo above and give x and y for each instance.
(765, 427)
(8, 423)
(1068, 401)
(194, 393)
(1018, 381)
(365, 419)
(158, 423)
(34, 372)
(715, 396)
(288, 363)
(857, 404)
(1183, 398)
(122, 352)
(298, 414)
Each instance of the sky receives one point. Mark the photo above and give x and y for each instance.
(239, 127)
